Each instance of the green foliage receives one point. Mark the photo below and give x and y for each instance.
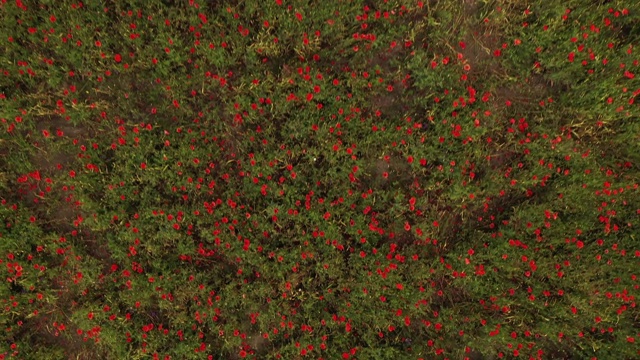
(291, 179)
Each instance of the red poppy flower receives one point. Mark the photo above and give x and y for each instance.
(117, 58)
(457, 131)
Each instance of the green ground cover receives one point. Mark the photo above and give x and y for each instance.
(285, 179)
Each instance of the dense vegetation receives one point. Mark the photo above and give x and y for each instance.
(287, 179)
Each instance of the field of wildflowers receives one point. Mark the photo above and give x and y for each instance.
(290, 179)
